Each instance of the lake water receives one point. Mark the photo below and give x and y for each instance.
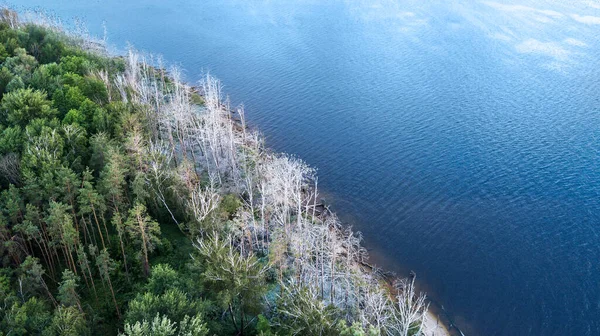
(461, 137)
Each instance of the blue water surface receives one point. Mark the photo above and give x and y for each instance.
(461, 137)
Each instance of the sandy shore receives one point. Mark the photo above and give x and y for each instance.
(433, 326)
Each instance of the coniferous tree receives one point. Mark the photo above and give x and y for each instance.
(113, 183)
(84, 266)
(91, 203)
(62, 232)
(162, 326)
(30, 317)
(117, 222)
(112, 180)
(67, 321)
(99, 146)
(32, 278)
(13, 204)
(238, 280)
(67, 290)
(9, 246)
(173, 303)
(144, 231)
(106, 265)
(23, 105)
(35, 228)
(69, 183)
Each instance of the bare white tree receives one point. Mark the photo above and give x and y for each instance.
(160, 173)
(10, 17)
(279, 198)
(204, 200)
(409, 310)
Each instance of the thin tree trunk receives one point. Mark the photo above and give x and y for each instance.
(98, 226)
(120, 234)
(113, 296)
(145, 248)
(233, 318)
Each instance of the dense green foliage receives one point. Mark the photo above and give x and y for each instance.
(94, 238)
(78, 231)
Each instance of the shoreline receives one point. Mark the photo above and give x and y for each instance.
(350, 284)
(434, 323)
(437, 313)
(439, 321)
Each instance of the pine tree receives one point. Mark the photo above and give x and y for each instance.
(13, 204)
(8, 245)
(23, 105)
(62, 231)
(117, 222)
(67, 321)
(75, 136)
(91, 203)
(30, 317)
(35, 228)
(113, 184)
(99, 144)
(68, 181)
(112, 179)
(106, 266)
(67, 290)
(86, 271)
(32, 275)
(238, 280)
(144, 231)
(162, 326)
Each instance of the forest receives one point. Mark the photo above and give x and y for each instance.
(133, 203)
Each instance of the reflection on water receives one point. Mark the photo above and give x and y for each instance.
(460, 137)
